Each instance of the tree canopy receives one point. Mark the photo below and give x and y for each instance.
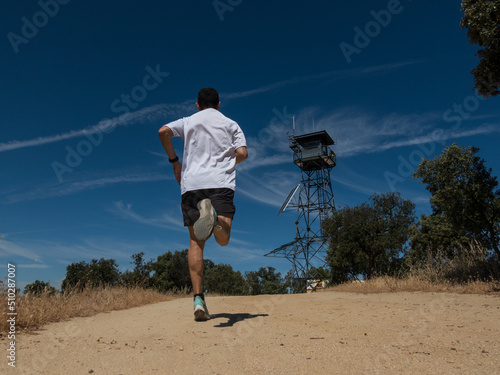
(81, 275)
(265, 281)
(369, 239)
(224, 280)
(171, 272)
(482, 21)
(141, 274)
(465, 200)
(37, 288)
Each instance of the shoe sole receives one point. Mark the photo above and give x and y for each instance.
(201, 316)
(204, 226)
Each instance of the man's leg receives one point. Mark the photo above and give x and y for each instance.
(195, 260)
(222, 235)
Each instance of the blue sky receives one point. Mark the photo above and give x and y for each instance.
(86, 86)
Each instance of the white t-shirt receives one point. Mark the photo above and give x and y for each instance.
(210, 141)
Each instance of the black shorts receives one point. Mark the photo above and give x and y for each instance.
(222, 201)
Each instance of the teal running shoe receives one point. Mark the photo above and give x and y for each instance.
(204, 226)
(200, 310)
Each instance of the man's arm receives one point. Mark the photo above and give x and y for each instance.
(241, 154)
(166, 134)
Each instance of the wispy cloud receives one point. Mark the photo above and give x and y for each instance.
(170, 111)
(356, 132)
(97, 247)
(145, 115)
(254, 161)
(11, 249)
(243, 257)
(330, 76)
(439, 136)
(268, 188)
(233, 254)
(69, 188)
(171, 220)
(358, 182)
(33, 265)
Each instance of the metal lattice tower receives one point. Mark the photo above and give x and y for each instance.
(313, 200)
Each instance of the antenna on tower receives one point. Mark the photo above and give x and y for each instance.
(313, 123)
(293, 125)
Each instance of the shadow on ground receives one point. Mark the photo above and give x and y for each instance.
(234, 318)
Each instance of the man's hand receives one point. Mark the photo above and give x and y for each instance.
(177, 171)
(241, 154)
(166, 134)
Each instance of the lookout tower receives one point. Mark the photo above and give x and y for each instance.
(313, 201)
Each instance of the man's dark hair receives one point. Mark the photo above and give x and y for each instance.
(208, 98)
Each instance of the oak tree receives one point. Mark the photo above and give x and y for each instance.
(369, 239)
(482, 21)
(465, 198)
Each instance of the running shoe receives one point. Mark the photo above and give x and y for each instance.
(204, 226)
(200, 310)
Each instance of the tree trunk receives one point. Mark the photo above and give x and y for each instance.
(495, 245)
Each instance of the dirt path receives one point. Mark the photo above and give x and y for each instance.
(326, 333)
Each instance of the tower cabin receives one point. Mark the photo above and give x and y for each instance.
(311, 151)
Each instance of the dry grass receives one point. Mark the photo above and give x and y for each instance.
(386, 284)
(34, 312)
(471, 271)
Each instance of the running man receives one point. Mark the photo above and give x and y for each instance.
(213, 145)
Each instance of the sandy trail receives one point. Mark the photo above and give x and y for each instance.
(326, 333)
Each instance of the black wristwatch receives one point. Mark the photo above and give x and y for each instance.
(174, 160)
